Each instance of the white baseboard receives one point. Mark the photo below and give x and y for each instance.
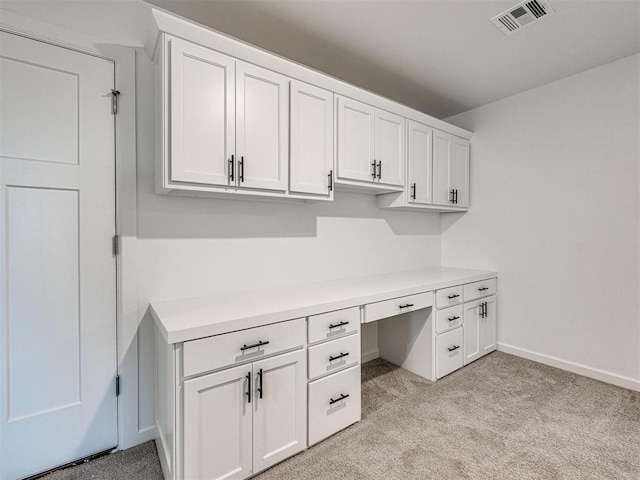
(595, 373)
(370, 355)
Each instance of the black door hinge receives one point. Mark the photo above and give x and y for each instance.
(114, 101)
(117, 385)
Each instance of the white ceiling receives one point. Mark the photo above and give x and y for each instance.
(441, 57)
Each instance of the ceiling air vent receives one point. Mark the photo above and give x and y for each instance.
(522, 15)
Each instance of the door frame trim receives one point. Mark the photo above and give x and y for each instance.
(130, 433)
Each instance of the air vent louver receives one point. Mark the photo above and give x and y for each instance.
(521, 15)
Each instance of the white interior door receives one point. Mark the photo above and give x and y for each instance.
(57, 212)
(390, 147)
(202, 114)
(262, 116)
(311, 139)
(420, 162)
(279, 409)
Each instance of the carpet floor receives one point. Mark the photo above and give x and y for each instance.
(502, 417)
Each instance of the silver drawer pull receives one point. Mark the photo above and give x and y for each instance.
(455, 347)
(255, 345)
(342, 397)
(338, 357)
(451, 297)
(451, 319)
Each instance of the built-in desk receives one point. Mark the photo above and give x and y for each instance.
(248, 379)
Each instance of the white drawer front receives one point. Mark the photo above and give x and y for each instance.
(449, 352)
(334, 403)
(212, 353)
(480, 289)
(395, 306)
(334, 356)
(333, 324)
(447, 297)
(449, 318)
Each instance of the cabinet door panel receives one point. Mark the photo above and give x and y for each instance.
(442, 146)
(217, 426)
(460, 171)
(420, 162)
(279, 414)
(390, 147)
(488, 333)
(355, 140)
(202, 114)
(311, 139)
(262, 127)
(471, 331)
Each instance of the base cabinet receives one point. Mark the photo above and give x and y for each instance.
(245, 419)
(480, 336)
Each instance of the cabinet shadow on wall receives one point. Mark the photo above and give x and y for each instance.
(164, 216)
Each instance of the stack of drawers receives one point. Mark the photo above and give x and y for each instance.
(333, 372)
(449, 335)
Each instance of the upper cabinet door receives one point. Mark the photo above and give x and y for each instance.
(201, 114)
(311, 139)
(460, 171)
(420, 162)
(389, 148)
(355, 140)
(442, 151)
(262, 122)
(279, 408)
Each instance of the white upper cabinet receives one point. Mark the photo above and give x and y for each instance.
(450, 170)
(262, 127)
(389, 147)
(419, 161)
(356, 125)
(311, 140)
(202, 114)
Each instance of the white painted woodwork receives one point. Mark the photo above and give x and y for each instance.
(320, 362)
(449, 352)
(262, 128)
(390, 144)
(419, 163)
(442, 152)
(450, 169)
(331, 325)
(446, 297)
(480, 289)
(460, 171)
(202, 111)
(325, 418)
(449, 318)
(280, 413)
(311, 137)
(216, 352)
(218, 427)
(57, 324)
(480, 333)
(192, 318)
(407, 341)
(395, 306)
(355, 127)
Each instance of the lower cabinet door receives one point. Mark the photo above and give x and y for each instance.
(334, 403)
(488, 324)
(471, 328)
(217, 425)
(279, 408)
(449, 352)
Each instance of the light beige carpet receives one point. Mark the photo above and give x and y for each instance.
(501, 417)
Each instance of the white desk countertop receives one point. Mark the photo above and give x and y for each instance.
(192, 318)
